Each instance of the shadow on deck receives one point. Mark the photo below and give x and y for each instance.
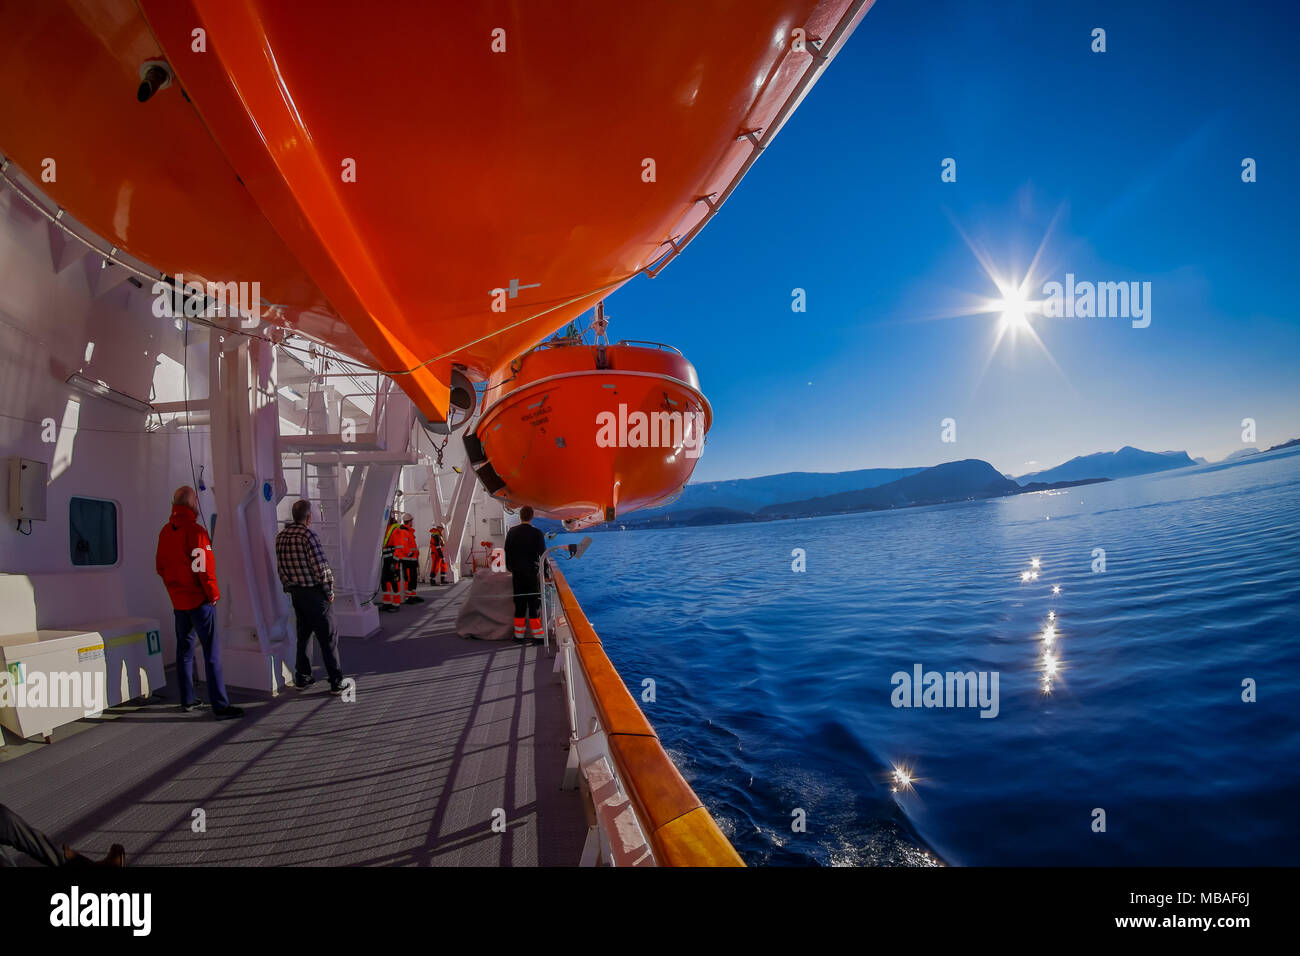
(443, 733)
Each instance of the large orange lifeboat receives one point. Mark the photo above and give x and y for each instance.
(428, 190)
(586, 432)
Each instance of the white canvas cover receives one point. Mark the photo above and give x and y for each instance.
(489, 609)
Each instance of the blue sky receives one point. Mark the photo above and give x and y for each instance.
(1135, 154)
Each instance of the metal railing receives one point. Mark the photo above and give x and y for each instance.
(641, 811)
(662, 346)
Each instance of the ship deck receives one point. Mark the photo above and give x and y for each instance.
(443, 732)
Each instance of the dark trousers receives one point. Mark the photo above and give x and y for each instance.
(16, 833)
(412, 571)
(528, 599)
(315, 615)
(201, 622)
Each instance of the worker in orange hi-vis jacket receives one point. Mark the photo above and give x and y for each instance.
(390, 581)
(409, 557)
(437, 558)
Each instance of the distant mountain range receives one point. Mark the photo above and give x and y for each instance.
(952, 481)
(1243, 453)
(1125, 463)
(966, 480)
(753, 494)
(803, 494)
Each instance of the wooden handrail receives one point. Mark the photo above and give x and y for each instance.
(680, 828)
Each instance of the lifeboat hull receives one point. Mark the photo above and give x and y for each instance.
(584, 434)
(423, 191)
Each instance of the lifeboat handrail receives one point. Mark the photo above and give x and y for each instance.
(572, 341)
(821, 58)
(658, 345)
(679, 828)
(567, 342)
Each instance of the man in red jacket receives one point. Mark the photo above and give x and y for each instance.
(186, 564)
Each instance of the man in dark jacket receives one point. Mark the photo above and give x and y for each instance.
(189, 570)
(524, 545)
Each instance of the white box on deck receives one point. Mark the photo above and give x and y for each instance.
(125, 652)
(27, 489)
(127, 658)
(72, 655)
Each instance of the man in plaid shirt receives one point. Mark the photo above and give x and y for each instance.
(308, 579)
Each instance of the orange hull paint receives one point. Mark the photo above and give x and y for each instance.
(577, 441)
(475, 170)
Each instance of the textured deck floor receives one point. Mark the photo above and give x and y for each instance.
(443, 732)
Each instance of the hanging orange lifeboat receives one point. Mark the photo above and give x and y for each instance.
(411, 183)
(584, 433)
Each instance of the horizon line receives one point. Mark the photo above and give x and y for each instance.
(1207, 459)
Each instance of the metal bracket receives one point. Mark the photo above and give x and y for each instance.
(657, 266)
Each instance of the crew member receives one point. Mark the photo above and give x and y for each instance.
(186, 564)
(411, 560)
(524, 546)
(308, 578)
(437, 559)
(389, 581)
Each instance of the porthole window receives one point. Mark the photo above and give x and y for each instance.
(92, 531)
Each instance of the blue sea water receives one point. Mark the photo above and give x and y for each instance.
(773, 687)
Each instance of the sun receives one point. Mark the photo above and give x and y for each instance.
(1014, 308)
(1016, 311)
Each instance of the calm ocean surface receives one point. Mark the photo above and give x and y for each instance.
(773, 687)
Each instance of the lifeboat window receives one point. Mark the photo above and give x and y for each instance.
(92, 531)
